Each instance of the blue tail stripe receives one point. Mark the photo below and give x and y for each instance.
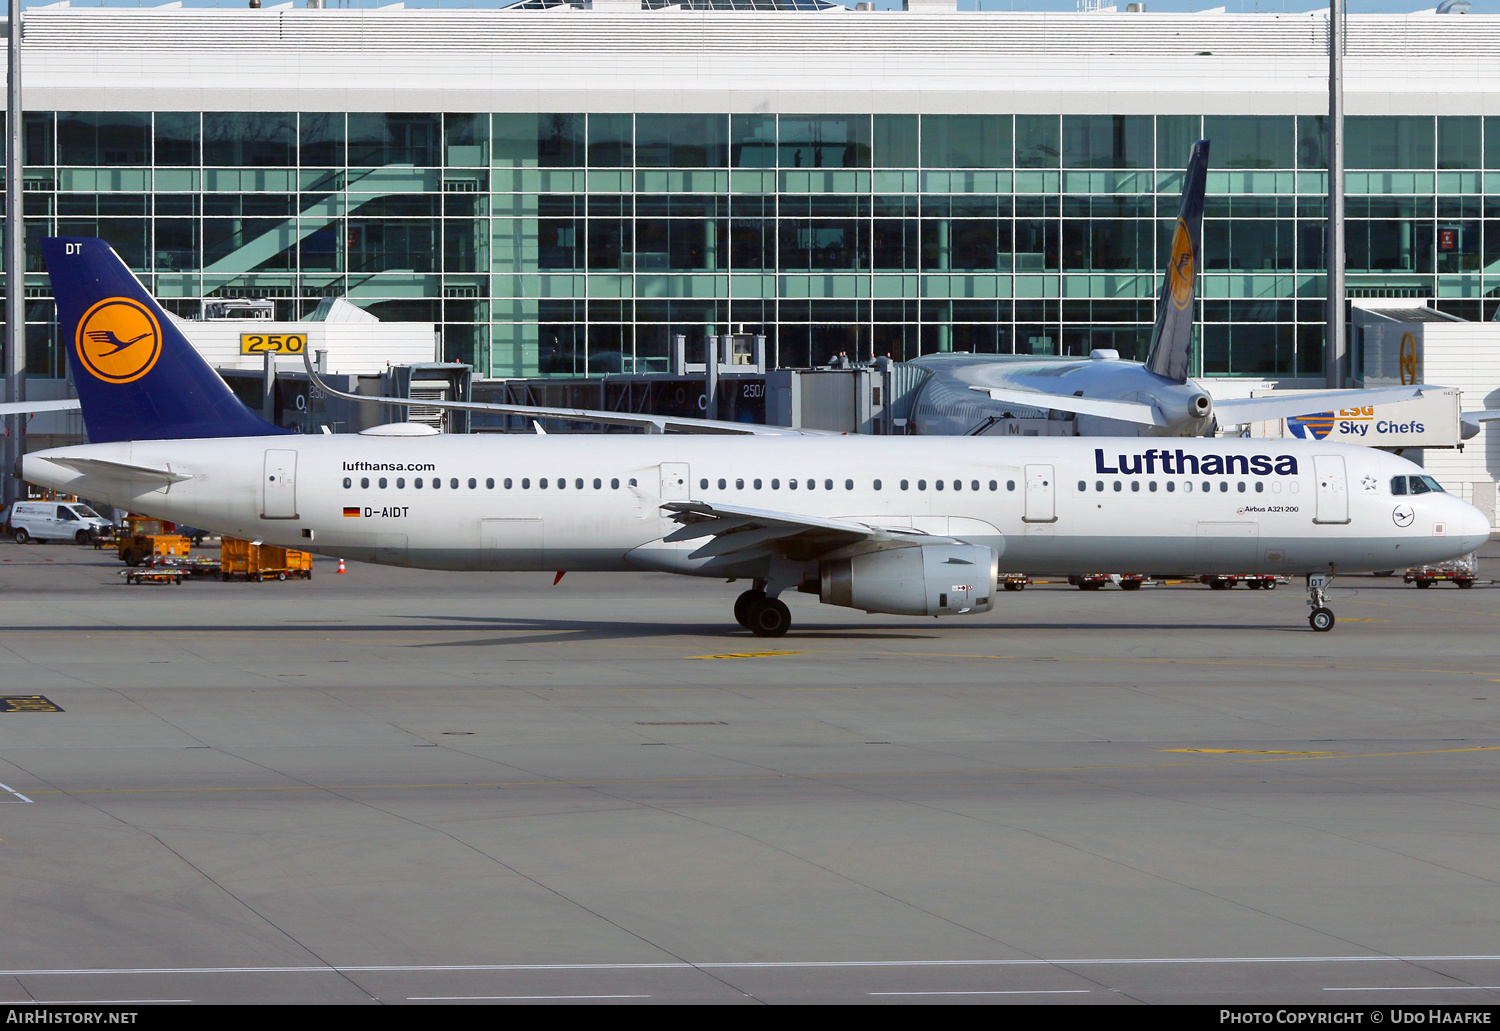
(137, 376)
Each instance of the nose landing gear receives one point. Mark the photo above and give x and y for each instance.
(1321, 618)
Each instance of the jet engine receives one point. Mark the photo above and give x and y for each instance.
(923, 580)
(1200, 406)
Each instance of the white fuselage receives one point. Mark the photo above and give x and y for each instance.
(1045, 504)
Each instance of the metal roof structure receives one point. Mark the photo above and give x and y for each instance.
(932, 59)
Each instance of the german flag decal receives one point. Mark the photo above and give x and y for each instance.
(351, 513)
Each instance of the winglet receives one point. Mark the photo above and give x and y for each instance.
(138, 377)
(1172, 338)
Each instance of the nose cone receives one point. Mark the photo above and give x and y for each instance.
(1473, 527)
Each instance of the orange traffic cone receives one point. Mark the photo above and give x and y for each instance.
(341, 566)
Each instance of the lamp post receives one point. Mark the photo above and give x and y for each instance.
(1335, 347)
(15, 263)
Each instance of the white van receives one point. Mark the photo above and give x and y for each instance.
(43, 521)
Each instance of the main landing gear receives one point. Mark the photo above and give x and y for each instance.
(762, 616)
(1321, 618)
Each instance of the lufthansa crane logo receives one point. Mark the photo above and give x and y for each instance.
(118, 340)
(1180, 272)
(1408, 359)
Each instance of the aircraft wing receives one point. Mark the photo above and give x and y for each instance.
(122, 471)
(1125, 411)
(29, 407)
(1472, 421)
(736, 534)
(649, 423)
(1256, 409)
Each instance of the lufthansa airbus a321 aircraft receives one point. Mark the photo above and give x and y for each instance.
(911, 525)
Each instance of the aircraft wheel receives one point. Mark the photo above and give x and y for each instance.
(22, 536)
(769, 617)
(1321, 620)
(742, 606)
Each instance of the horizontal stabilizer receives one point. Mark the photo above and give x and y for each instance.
(122, 471)
(1125, 411)
(70, 404)
(1473, 421)
(1258, 409)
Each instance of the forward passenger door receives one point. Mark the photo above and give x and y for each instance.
(1333, 489)
(1041, 506)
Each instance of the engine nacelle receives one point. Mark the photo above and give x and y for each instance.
(925, 580)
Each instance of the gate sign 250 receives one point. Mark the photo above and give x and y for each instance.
(273, 343)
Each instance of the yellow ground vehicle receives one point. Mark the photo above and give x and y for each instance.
(249, 560)
(143, 538)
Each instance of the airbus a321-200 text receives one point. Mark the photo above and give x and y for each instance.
(916, 526)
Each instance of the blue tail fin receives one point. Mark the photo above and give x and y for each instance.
(137, 376)
(1172, 339)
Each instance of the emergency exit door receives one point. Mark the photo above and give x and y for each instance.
(279, 486)
(1041, 492)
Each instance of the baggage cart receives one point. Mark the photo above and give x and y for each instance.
(1462, 571)
(252, 560)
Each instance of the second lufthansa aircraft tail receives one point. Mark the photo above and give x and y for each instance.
(1172, 339)
(138, 377)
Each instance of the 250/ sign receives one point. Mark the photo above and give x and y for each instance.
(274, 343)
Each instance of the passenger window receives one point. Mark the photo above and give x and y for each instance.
(508, 482)
(1223, 486)
(453, 482)
(828, 485)
(905, 484)
(721, 483)
(791, 484)
(958, 484)
(578, 483)
(1135, 485)
(562, 483)
(1151, 486)
(1083, 485)
(400, 482)
(1171, 486)
(1010, 484)
(757, 484)
(877, 484)
(1398, 485)
(1260, 488)
(994, 485)
(614, 484)
(349, 483)
(598, 483)
(703, 485)
(1098, 484)
(473, 483)
(921, 485)
(811, 484)
(489, 484)
(1242, 486)
(632, 482)
(417, 483)
(364, 482)
(1118, 486)
(775, 484)
(938, 484)
(739, 484)
(1207, 486)
(1187, 486)
(382, 483)
(848, 484)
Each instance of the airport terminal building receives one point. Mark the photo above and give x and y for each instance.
(562, 186)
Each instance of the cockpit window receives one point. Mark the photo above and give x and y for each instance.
(1398, 485)
(1415, 485)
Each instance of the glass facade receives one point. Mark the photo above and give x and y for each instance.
(569, 243)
